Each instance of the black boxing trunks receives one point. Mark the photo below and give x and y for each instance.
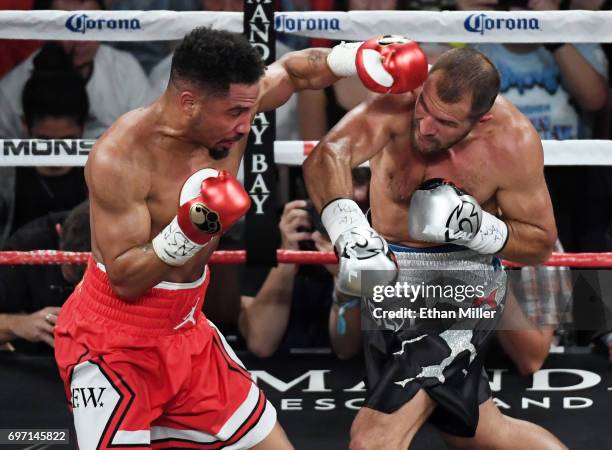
(441, 349)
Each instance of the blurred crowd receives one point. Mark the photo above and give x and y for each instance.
(76, 89)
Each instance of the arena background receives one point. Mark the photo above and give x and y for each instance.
(316, 394)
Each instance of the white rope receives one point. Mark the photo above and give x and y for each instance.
(423, 26)
(32, 152)
(112, 25)
(556, 153)
(453, 26)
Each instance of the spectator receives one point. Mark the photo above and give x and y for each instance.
(555, 85)
(594, 5)
(55, 106)
(13, 52)
(30, 296)
(149, 53)
(538, 299)
(603, 343)
(115, 81)
(288, 306)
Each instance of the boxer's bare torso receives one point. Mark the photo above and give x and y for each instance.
(155, 165)
(479, 164)
(498, 159)
(136, 170)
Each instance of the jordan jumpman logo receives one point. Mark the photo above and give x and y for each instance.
(189, 317)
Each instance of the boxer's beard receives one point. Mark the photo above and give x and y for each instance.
(218, 153)
(436, 148)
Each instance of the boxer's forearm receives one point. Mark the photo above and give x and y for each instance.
(308, 69)
(527, 243)
(294, 72)
(357, 138)
(135, 271)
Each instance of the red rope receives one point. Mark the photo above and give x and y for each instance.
(218, 257)
(592, 260)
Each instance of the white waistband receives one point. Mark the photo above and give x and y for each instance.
(169, 285)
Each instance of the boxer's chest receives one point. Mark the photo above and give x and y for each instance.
(472, 169)
(167, 182)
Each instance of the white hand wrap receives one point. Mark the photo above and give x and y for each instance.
(491, 237)
(173, 247)
(341, 60)
(341, 215)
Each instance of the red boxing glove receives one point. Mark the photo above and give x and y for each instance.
(211, 202)
(221, 202)
(392, 64)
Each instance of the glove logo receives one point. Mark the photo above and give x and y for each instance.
(463, 222)
(364, 247)
(205, 219)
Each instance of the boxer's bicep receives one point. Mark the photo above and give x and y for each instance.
(365, 130)
(357, 138)
(523, 194)
(121, 225)
(120, 216)
(528, 203)
(526, 207)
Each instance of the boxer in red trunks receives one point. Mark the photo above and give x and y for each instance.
(142, 366)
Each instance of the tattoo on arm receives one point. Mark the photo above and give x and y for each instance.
(315, 57)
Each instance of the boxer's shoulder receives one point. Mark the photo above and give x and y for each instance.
(512, 145)
(119, 157)
(512, 121)
(126, 139)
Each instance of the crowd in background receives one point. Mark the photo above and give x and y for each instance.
(77, 89)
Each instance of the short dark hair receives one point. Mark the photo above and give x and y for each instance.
(214, 59)
(76, 235)
(467, 71)
(55, 89)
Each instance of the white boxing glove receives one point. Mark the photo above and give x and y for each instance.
(440, 212)
(358, 246)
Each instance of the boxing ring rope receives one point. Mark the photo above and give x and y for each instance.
(74, 152)
(424, 26)
(46, 257)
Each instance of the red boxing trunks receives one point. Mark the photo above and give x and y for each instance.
(154, 372)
